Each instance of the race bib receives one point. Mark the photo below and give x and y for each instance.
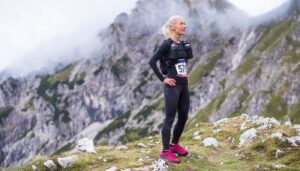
(181, 68)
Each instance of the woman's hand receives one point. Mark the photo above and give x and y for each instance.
(170, 81)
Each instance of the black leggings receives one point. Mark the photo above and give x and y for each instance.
(176, 98)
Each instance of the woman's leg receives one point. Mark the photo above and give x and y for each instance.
(183, 109)
(171, 100)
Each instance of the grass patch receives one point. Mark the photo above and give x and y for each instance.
(29, 105)
(98, 70)
(117, 123)
(204, 70)
(276, 32)
(203, 115)
(120, 66)
(61, 76)
(277, 107)
(133, 134)
(242, 106)
(294, 113)
(4, 113)
(144, 113)
(247, 65)
(65, 148)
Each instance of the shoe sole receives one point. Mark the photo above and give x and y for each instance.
(163, 157)
(181, 154)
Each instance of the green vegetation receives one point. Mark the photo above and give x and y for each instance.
(138, 88)
(276, 32)
(4, 113)
(144, 113)
(203, 114)
(258, 154)
(242, 106)
(28, 105)
(117, 123)
(205, 69)
(61, 76)
(294, 113)
(51, 82)
(258, 73)
(65, 148)
(79, 80)
(120, 66)
(277, 107)
(133, 134)
(97, 71)
(223, 83)
(247, 65)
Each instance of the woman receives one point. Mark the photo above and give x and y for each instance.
(173, 55)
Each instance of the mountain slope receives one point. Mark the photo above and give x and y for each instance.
(115, 97)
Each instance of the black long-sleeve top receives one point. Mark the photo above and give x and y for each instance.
(164, 52)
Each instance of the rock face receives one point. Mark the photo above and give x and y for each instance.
(236, 68)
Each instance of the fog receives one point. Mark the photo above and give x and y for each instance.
(37, 35)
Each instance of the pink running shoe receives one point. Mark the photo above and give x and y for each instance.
(170, 156)
(179, 150)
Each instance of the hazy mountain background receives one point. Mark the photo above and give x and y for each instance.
(241, 65)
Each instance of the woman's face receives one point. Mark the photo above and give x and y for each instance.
(179, 26)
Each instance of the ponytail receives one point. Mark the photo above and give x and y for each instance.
(166, 28)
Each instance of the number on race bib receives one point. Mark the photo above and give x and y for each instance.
(181, 69)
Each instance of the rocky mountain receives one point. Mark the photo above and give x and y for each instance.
(114, 97)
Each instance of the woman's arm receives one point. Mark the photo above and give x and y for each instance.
(162, 50)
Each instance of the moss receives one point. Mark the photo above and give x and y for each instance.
(247, 65)
(67, 147)
(291, 58)
(294, 113)
(203, 115)
(144, 113)
(4, 113)
(242, 106)
(133, 134)
(223, 83)
(145, 73)
(205, 69)
(117, 123)
(61, 76)
(138, 88)
(276, 32)
(80, 79)
(277, 107)
(28, 105)
(258, 73)
(297, 69)
(98, 70)
(160, 104)
(42, 146)
(51, 83)
(120, 66)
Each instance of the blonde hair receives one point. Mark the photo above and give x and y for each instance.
(166, 28)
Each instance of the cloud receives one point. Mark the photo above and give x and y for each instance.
(35, 33)
(257, 7)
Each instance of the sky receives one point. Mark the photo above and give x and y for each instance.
(34, 33)
(29, 25)
(257, 7)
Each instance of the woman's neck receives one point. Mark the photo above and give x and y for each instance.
(175, 38)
